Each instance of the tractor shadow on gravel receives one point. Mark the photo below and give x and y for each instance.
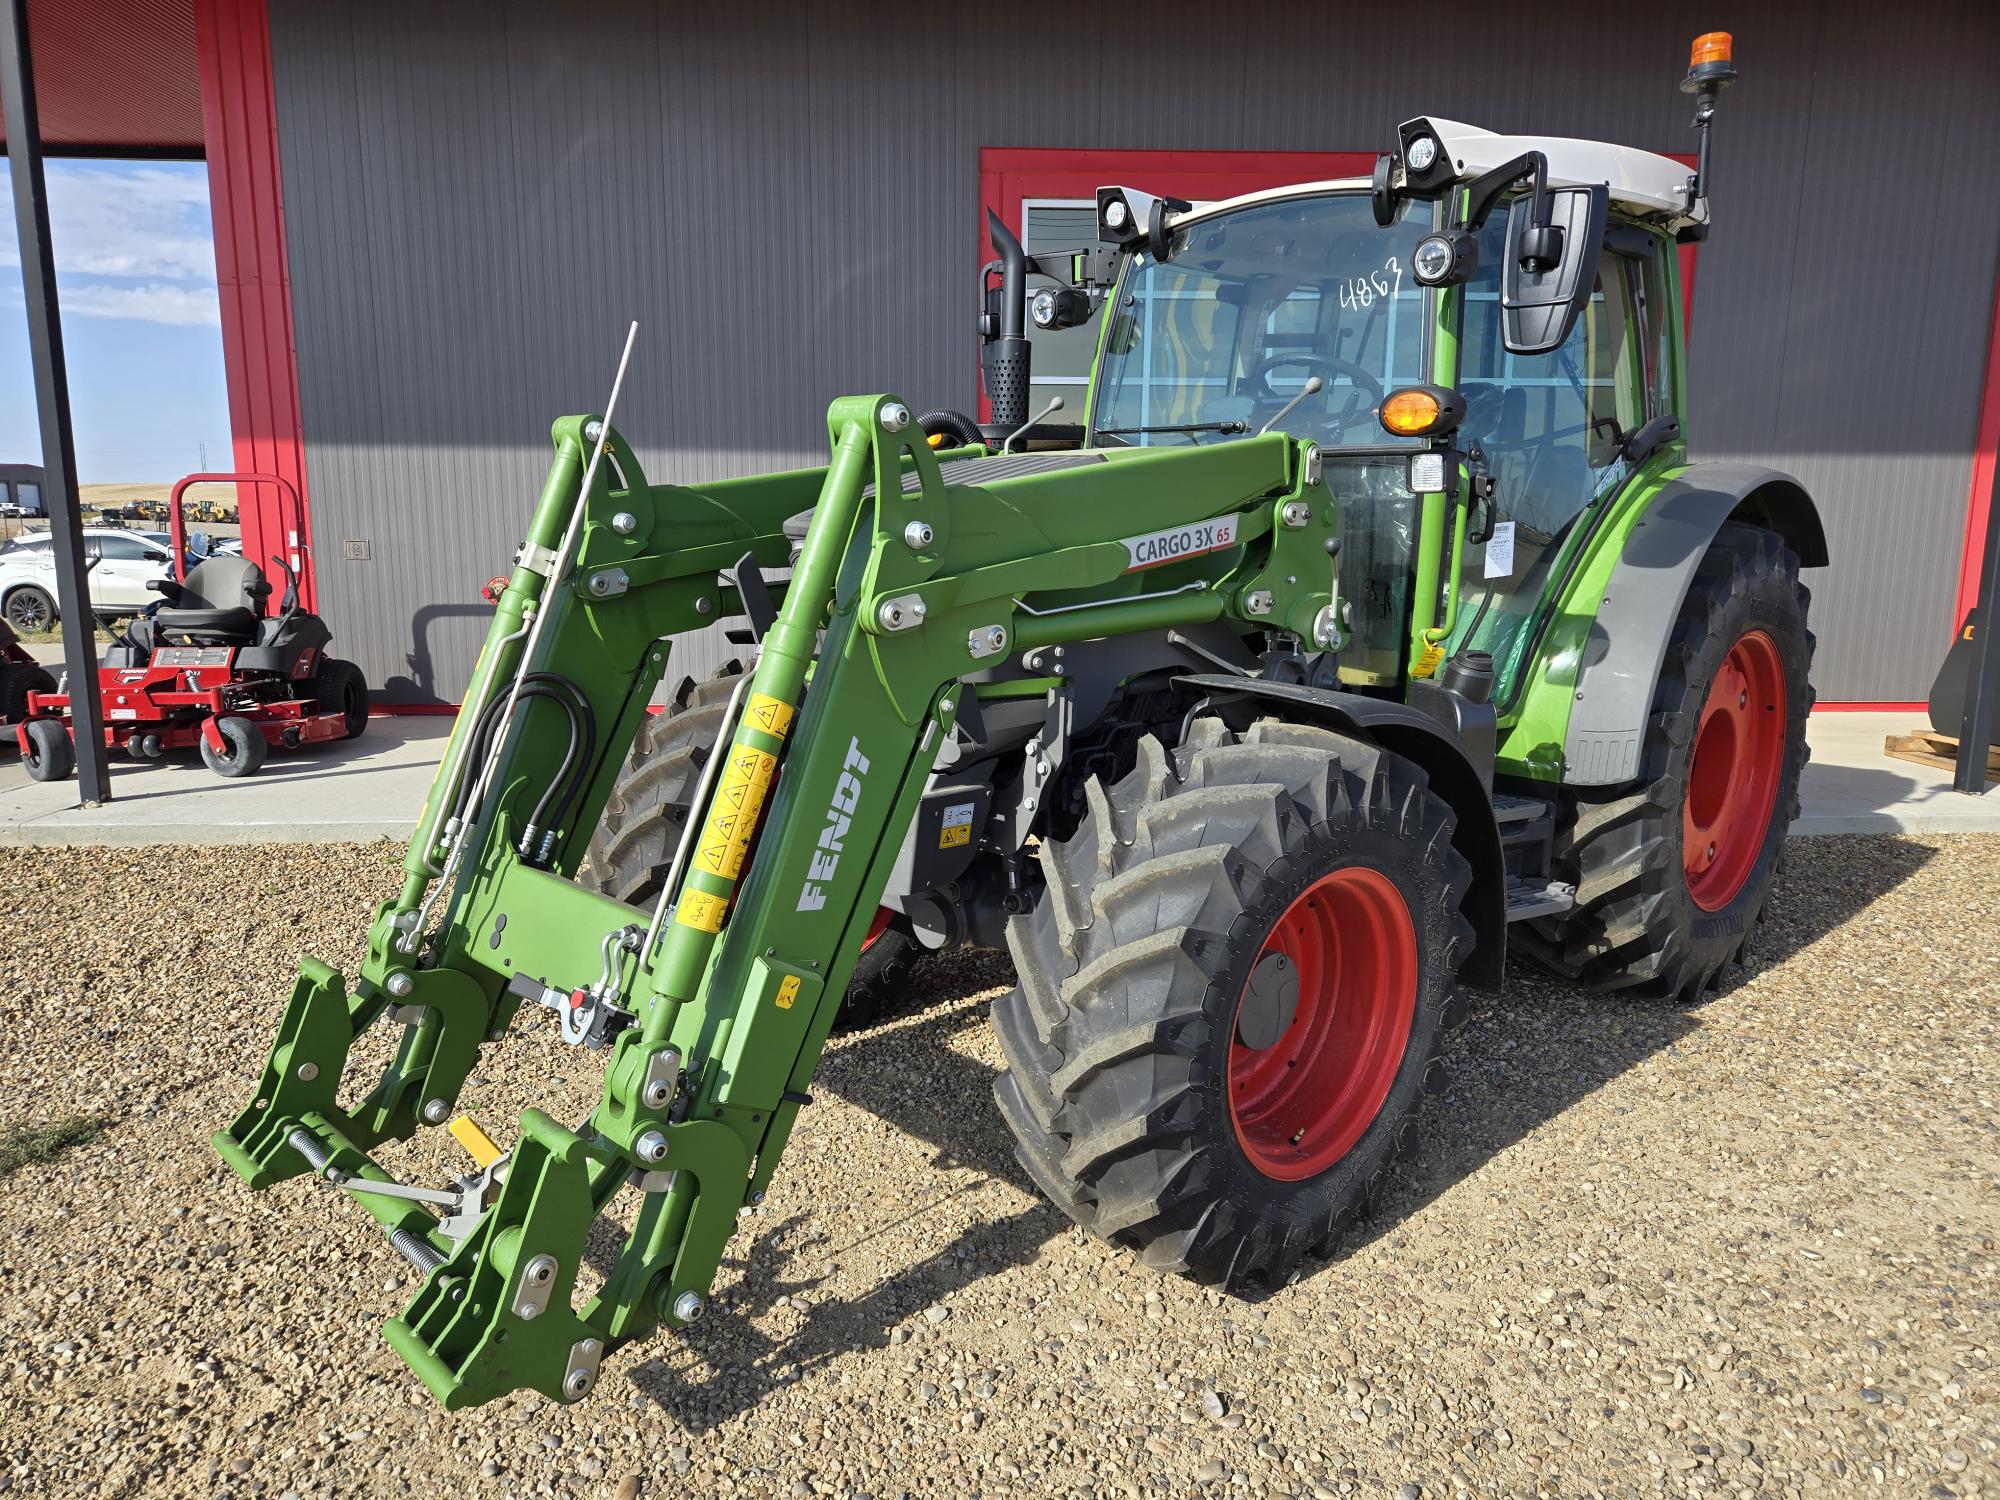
(1520, 1059)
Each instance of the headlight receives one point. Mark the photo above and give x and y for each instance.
(1116, 214)
(1432, 259)
(1423, 151)
(1441, 259)
(1043, 309)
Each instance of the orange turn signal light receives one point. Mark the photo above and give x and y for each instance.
(1710, 47)
(935, 440)
(1411, 413)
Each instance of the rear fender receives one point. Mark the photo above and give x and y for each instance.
(1417, 737)
(1620, 664)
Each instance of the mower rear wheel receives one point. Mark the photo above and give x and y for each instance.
(1672, 873)
(647, 813)
(17, 680)
(339, 685)
(1232, 997)
(51, 756)
(243, 751)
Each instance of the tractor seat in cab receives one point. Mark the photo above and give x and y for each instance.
(218, 604)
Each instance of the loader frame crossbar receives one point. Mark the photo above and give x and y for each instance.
(716, 1017)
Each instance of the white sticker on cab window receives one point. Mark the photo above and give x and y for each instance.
(1177, 542)
(1500, 551)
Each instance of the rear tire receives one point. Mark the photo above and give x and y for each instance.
(1143, 1084)
(51, 755)
(1672, 874)
(339, 686)
(244, 748)
(16, 682)
(648, 810)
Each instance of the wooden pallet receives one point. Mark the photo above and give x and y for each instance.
(1925, 747)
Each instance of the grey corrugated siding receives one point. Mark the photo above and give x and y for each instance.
(479, 196)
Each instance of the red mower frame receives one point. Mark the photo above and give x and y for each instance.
(181, 697)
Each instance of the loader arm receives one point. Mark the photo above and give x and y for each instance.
(714, 1009)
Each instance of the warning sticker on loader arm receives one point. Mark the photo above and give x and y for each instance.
(701, 911)
(769, 714)
(732, 817)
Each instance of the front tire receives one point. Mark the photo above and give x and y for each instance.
(51, 755)
(243, 748)
(1233, 995)
(647, 812)
(1672, 874)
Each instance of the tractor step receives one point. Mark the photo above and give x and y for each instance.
(1509, 809)
(1538, 898)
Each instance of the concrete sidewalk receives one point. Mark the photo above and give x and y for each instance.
(346, 792)
(374, 788)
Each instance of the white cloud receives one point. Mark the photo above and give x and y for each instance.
(131, 242)
(179, 306)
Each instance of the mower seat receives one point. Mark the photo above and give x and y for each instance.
(219, 604)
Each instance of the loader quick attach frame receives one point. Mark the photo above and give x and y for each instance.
(715, 1008)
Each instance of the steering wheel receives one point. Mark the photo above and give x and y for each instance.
(1364, 395)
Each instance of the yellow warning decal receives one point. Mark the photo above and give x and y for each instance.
(956, 830)
(700, 910)
(739, 796)
(788, 991)
(1427, 662)
(771, 715)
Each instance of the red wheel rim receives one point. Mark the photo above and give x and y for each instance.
(1300, 1104)
(883, 917)
(1733, 775)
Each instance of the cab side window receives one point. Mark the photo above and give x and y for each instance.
(1550, 427)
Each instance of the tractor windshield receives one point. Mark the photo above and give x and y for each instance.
(1248, 308)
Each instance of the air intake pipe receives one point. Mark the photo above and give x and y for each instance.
(1005, 356)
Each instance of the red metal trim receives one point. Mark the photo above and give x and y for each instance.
(1985, 454)
(246, 201)
(1007, 174)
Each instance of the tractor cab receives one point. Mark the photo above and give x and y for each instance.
(1482, 341)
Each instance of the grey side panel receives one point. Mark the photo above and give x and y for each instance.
(478, 196)
(1628, 640)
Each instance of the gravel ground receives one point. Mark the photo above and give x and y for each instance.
(1743, 1249)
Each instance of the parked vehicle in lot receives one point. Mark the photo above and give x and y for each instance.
(121, 583)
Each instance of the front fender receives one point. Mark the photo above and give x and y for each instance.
(1620, 664)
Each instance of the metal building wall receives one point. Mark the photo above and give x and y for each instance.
(480, 195)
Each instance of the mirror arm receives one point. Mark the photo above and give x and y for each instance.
(1484, 191)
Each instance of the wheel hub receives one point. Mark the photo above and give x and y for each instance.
(1734, 771)
(1322, 1023)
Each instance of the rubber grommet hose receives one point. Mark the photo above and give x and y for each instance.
(958, 430)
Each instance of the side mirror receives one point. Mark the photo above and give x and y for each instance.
(1548, 273)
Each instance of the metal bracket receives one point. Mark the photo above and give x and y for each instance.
(581, 1373)
(536, 559)
(987, 640)
(531, 1298)
(904, 612)
(608, 583)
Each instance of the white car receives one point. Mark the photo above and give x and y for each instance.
(120, 584)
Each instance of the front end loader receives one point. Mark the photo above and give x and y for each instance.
(1373, 613)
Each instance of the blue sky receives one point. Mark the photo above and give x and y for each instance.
(135, 270)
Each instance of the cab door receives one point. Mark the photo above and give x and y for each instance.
(1551, 429)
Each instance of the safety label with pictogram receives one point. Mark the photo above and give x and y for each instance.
(700, 910)
(772, 715)
(956, 830)
(732, 818)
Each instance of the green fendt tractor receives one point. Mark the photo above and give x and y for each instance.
(1373, 615)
